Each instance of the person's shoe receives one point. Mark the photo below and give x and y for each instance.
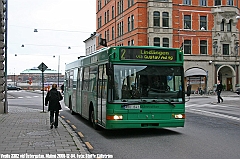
(51, 125)
(56, 126)
(222, 100)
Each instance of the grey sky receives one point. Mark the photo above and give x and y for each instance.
(60, 24)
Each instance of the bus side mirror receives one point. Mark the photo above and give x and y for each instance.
(109, 69)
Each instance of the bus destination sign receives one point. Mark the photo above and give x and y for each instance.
(148, 54)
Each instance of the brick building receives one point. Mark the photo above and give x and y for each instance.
(207, 30)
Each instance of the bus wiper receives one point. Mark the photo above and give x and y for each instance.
(168, 102)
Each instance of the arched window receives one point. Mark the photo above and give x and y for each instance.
(165, 19)
(165, 42)
(222, 25)
(156, 18)
(156, 41)
(132, 22)
(229, 26)
(129, 24)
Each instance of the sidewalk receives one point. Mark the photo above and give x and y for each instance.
(26, 133)
(223, 94)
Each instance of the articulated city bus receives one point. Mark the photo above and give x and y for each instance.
(128, 87)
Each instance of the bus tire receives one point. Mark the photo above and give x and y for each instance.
(70, 107)
(92, 119)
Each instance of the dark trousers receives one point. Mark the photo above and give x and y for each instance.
(56, 112)
(219, 96)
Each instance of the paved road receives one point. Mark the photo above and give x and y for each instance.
(205, 135)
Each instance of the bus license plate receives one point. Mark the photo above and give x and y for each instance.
(132, 107)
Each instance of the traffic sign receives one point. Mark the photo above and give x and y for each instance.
(42, 67)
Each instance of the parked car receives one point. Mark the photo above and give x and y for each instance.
(11, 87)
(238, 91)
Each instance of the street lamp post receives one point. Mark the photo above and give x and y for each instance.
(58, 68)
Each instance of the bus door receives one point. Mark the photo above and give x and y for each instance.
(74, 93)
(79, 87)
(102, 94)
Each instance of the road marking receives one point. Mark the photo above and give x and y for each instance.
(217, 114)
(68, 121)
(36, 96)
(89, 145)
(63, 116)
(20, 97)
(74, 127)
(80, 134)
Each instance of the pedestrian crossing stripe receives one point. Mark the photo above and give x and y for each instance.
(216, 114)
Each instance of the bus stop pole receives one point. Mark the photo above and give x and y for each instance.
(43, 89)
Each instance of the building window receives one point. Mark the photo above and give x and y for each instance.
(230, 2)
(225, 49)
(112, 33)
(165, 19)
(156, 18)
(121, 6)
(203, 22)
(188, 2)
(107, 15)
(105, 18)
(218, 2)
(132, 22)
(229, 26)
(165, 42)
(118, 7)
(203, 47)
(112, 12)
(203, 2)
(129, 43)
(222, 25)
(156, 41)
(187, 22)
(132, 42)
(99, 4)
(100, 22)
(122, 28)
(129, 24)
(187, 47)
(129, 3)
(107, 35)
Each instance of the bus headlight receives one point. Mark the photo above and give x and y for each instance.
(179, 116)
(114, 117)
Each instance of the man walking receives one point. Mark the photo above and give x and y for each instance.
(219, 90)
(53, 97)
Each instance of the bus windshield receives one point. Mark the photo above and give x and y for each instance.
(147, 83)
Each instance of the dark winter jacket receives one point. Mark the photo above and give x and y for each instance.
(219, 87)
(53, 97)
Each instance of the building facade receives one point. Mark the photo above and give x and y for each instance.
(90, 43)
(207, 31)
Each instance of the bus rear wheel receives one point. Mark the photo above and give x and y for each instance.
(92, 120)
(70, 107)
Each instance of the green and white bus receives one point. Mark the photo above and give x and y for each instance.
(128, 87)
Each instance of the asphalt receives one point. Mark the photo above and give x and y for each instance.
(26, 133)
